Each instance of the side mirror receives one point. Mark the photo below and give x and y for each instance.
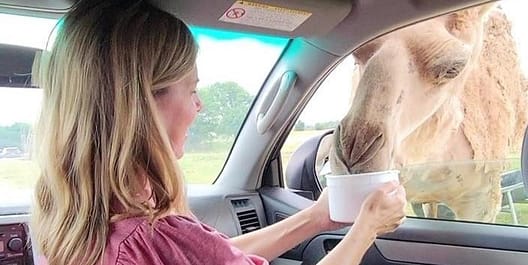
(305, 170)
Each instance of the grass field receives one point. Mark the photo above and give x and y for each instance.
(200, 168)
(296, 139)
(17, 173)
(521, 208)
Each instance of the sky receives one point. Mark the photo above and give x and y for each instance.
(243, 60)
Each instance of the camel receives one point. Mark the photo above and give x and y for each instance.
(447, 89)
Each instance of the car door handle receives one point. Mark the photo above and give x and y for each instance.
(268, 112)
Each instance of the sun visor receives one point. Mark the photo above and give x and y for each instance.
(37, 8)
(47, 5)
(15, 65)
(295, 18)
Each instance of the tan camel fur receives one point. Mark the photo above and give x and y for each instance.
(447, 89)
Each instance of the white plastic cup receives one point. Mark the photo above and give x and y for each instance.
(346, 193)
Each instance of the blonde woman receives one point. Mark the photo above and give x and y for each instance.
(119, 96)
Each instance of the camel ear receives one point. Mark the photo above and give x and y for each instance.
(463, 23)
(486, 9)
(474, 14)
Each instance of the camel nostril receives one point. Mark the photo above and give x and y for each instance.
(367, 145)
(374, 147)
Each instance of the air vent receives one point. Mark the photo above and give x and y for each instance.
(240, 203)
(248, 221)
(246, 214)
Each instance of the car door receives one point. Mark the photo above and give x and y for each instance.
(256, 164)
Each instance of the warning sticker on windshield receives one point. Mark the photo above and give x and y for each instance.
(265, 16)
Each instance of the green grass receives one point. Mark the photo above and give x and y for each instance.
(202, 168)
(504, 217)
(199, 168)
(294, 141)
(18, 173)
(521, 208)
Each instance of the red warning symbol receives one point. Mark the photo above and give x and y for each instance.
(235, 13)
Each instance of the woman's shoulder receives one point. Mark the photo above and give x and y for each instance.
(136, 241)
(169, 240)
(136, 226)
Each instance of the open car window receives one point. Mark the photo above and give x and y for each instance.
(451, 117)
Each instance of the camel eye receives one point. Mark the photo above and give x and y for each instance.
(446, 71)
(443, 63)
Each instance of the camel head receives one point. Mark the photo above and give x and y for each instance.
(406, 76)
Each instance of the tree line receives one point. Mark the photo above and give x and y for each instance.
(15, 135)
(301, 126)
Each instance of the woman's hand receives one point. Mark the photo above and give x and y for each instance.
(320, 213)
(383, 210)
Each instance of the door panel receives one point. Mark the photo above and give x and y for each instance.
(281, 261)
(417, 241)
(446, 254)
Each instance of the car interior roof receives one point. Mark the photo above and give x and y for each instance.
(335, 26)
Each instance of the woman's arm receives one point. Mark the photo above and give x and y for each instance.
(271, 241)
(381, 212)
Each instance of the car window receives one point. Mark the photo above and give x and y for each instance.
(231, 68)
(445, 102)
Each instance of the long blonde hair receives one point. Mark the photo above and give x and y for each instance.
(99, 138)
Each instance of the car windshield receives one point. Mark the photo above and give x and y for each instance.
(232, 66)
